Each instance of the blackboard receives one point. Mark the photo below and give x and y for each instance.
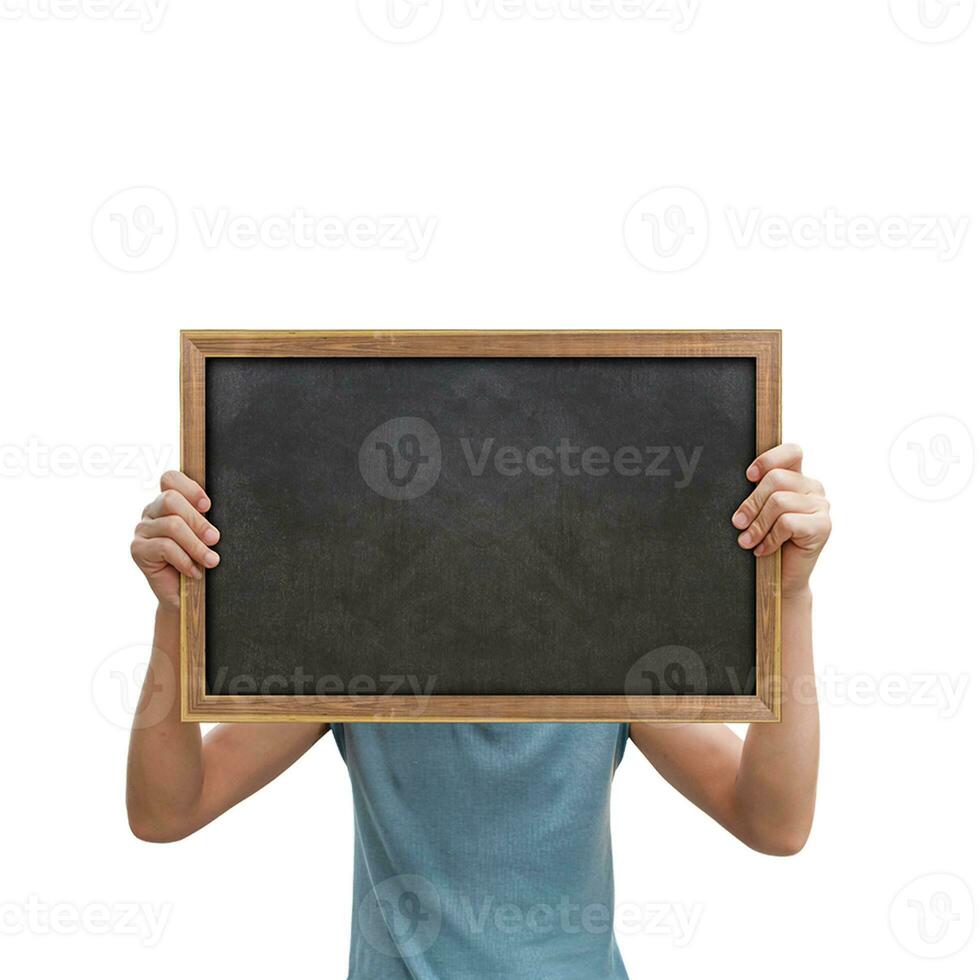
(516, 529)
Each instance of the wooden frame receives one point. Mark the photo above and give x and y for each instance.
(198, 705)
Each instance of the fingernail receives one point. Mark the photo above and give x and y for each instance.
(203, 503)
(740, 519)
(753, 472)
(758, 551)
(195, 572)
(211, 559)
(211, 535)
(745, 539)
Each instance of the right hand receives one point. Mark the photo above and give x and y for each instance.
(174, 537)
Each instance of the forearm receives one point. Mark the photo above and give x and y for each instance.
(165, 773)
(775, 788)
(763, 790)
(176, 781)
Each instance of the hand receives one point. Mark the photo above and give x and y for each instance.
(786, 510)
(174, 537)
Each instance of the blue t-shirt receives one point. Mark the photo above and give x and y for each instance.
(482, 852)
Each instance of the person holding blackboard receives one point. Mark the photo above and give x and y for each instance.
(483, 850)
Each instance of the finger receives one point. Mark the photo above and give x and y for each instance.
(779, 502)
(786, 456)
(176, 528)
(191, 489)
(155, 551)
(774, 480)
(807, 531)
(173, 502)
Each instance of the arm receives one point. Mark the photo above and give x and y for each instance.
(176, 781)
(763, 790)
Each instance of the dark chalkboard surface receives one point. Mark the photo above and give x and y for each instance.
(430, 529)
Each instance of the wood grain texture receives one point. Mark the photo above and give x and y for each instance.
(197, 705)
(492, 708)
(768, 380)
(486, 343)
(192, 449)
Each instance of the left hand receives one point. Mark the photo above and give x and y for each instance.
(786, 510)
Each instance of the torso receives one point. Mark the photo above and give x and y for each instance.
(482, 851)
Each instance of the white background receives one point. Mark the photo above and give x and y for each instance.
(528, 140)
